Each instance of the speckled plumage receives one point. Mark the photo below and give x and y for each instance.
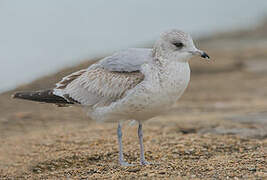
(135, 83)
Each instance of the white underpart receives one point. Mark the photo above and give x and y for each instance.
(154, 96)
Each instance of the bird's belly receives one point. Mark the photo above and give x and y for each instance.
(154, 96)
(157, 97)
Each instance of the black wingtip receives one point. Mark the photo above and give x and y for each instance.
(46, 96)
(16, 95)
(21, 95)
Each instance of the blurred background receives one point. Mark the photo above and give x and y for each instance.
(217, 129)
(40, 37)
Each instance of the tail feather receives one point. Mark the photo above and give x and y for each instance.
(42, 96)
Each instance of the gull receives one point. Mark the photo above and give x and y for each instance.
(133, 84)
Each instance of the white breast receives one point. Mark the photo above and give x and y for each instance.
(161, 88)
(166, 86)
(174, 81)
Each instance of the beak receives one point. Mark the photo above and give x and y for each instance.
(201, 54)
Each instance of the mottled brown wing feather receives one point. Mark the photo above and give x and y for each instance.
(98, 86)
(68, 79)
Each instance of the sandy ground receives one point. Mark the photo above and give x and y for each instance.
(217, 130)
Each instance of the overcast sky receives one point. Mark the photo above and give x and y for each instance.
(38, 37)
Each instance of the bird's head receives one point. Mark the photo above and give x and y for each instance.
(176, 45)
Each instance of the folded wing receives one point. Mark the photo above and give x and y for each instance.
(106, 81)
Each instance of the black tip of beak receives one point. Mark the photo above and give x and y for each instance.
(205, 55)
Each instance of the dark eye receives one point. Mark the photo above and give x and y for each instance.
(178, 45)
